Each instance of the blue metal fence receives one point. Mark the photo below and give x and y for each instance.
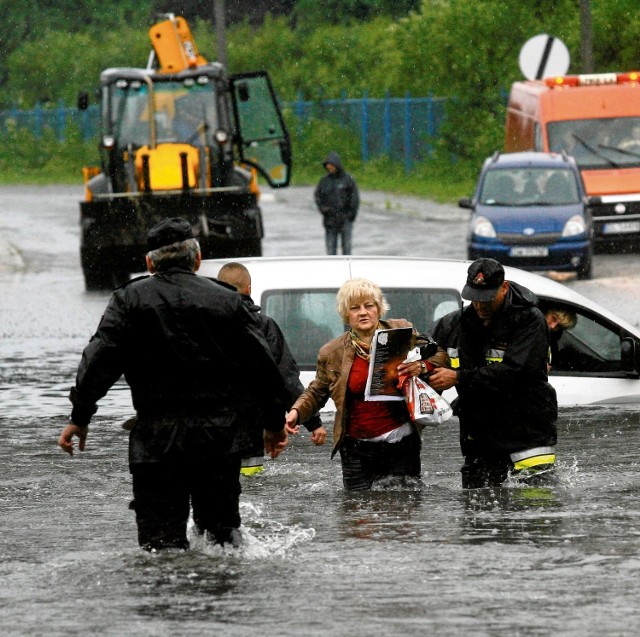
(400, 128)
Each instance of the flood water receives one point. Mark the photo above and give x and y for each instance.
(428, 559)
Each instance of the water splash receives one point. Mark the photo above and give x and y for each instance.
(262, 538)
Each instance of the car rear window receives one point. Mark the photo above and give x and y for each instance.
(309, 318)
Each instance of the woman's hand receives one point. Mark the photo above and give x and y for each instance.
(410, 369)
(291, 422)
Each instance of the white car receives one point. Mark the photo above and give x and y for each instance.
(300, 292)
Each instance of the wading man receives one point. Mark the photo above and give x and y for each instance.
(498, 346)
(195, 359)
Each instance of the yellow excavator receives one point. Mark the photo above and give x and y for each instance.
(179, 138)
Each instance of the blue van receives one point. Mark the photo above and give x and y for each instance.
(530, 210)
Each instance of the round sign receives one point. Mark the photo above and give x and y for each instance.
(542, 56)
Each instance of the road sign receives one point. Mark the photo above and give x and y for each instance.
(542, 56)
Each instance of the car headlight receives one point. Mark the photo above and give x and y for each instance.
(574, 226)
(482, 227)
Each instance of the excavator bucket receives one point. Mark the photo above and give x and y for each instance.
(174, 45)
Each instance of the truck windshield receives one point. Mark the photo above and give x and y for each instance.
(598, 143)
(184, 112)
(529, 187)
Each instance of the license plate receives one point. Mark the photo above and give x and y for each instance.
(529, 251)
(618, 227)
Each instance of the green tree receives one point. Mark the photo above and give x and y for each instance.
(58, 65)
(15, 27)
(469, 51)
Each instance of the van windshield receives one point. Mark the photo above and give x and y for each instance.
(529, 187)
(598, 143)
(309, 319)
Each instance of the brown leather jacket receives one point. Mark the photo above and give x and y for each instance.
(332, 374)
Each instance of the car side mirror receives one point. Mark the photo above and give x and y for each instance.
(465, 203)
(628, 359)
(594, 201)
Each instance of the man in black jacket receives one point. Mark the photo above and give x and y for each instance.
(190, 350)
(507, 409)
(337, 198)
(238, 276)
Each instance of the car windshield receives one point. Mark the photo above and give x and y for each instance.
(529, 187)
(598, 143)
(309, 319)
(184, 112)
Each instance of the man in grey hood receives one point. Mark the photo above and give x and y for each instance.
(337, 198)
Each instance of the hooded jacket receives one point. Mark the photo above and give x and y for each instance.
(505, 402)
(336, 195)
(332, 375)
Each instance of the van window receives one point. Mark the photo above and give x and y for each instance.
(309, 318)
(537, 141)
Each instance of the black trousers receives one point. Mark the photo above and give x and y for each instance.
(365, 462)
(164, 492)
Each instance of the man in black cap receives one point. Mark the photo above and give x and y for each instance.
(507, 409)
(190, 349)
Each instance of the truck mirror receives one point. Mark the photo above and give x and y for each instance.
(83, 101)
(243, 91)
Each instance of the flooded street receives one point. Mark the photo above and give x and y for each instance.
(425, 560)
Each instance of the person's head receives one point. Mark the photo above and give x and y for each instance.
(559, 319)
(237, 275)
(361, 304)
(332, 163)
(171, 244)
(486, 287)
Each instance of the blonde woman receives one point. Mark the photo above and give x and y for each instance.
(375, 439)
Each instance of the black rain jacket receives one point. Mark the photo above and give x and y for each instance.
(191, 351)
(505, 402)
(336, 195)
(284, 359)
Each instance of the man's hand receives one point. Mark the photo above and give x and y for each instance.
(65, 442)
(319, 436)
(442, 378)
(275, 442)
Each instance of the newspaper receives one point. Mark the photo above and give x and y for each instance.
(389, 348)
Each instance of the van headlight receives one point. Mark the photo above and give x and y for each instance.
(574, 226)
(482, 227)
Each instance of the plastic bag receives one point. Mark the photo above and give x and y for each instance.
(426, 407)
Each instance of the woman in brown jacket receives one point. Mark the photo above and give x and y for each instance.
(375, 439)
